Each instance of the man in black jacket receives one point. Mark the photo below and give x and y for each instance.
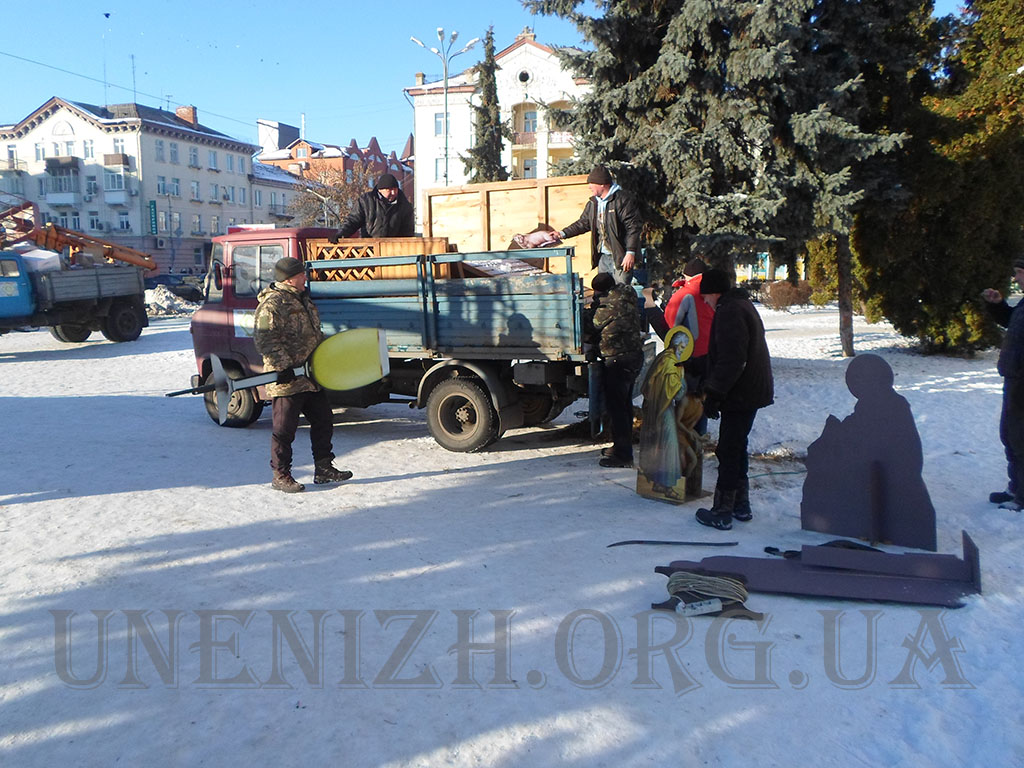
(612, 218)
(1011, 368)
(739, 381)
(382, 212)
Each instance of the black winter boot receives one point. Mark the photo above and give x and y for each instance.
(741, 511)
(325, 472)
(720, 514)
(284, 482)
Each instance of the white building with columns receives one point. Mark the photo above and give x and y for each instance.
(530, 79)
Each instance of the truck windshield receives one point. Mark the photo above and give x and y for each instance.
(253, 267)
(9, 268)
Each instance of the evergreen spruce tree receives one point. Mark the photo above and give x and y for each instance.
(925, 265)
(741, 125)
(483, 159)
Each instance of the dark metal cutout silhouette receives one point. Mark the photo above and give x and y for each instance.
(864, 472)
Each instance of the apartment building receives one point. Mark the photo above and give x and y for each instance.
(529, 79)
(153, 179)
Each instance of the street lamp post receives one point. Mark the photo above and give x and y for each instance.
(444, 53)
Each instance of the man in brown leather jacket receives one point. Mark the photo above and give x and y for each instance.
(287, 330)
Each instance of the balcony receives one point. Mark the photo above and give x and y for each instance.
(12, 164)
(279, 210)
(560, 139)
(116, 196)
(525, 139)
(119, 158)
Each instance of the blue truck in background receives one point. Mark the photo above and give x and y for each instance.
(72, 302)
(484, 352)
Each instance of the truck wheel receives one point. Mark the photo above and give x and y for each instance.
(123, 323)
(70, 333)
(460, 416)
(244, 407)
(537, 407)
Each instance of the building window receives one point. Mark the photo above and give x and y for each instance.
(12, 151)
(197, 255)
(530, 168)
(88, 151)
(175, 187)
(301, 152)
(113, 180)
(123, 222)
(94, 220)
(173, 147)
(229, 193)
(56, 149)
(69, 148)
(118, 146)
(438, 169)
(214, 188)
(63, 180)
(530, 122)
(197, 224)
(215, 225)
(40, 151)
(76, 221)
(195, 190)
(193, 157)
(241, 164)
(42, 186)
(439, 123)
(231, 222)
(230, 159)
(91, 186)
(158, 149)
(175, 223)
(257, 198)
(62, 220)
(161, 185)
(161, 221)
(213, 160)
(241, 195)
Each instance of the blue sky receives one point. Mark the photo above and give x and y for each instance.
(337, 62)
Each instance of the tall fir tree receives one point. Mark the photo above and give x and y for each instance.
(925, 264)
(483, 160)
(739, 124)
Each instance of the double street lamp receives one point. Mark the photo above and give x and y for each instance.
(444, 53)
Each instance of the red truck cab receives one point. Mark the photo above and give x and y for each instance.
(241, 265)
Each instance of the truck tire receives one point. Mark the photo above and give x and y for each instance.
(537, 408)
(70, 333)
(460, 416)
(244, 407)
(123, 323)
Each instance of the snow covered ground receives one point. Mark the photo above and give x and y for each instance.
(119, 506)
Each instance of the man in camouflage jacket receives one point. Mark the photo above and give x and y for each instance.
(616, 333)
(287, 330)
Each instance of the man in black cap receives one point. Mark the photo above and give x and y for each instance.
(739, 381)
(287, 330)
(613, 219)
(382, 212)
(1011, 368)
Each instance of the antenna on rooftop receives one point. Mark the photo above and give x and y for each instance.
(135, 97)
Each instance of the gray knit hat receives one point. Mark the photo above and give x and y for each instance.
(286, 268)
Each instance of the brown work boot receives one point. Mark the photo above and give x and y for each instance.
(326, 472)
(283, 481)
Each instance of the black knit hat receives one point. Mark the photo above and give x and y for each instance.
(715, 281)
(694, 267)
(599, 175)
(387, 181)
(287, 267)
(603, 282)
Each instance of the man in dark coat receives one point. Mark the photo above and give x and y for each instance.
(287, 330)
(739, 381)
(615, 332)
(612, 218)
(1011, 368)
(382, 212)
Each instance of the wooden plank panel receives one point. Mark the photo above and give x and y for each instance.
(513, 211)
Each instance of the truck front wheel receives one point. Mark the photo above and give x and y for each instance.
(70, 333)
(244, 407)
(460, 416)
(123, 323)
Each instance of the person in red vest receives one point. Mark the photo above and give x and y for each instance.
(676, 313)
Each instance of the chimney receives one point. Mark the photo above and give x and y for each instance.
(526, 34)
(419, 78)
(188, 114)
